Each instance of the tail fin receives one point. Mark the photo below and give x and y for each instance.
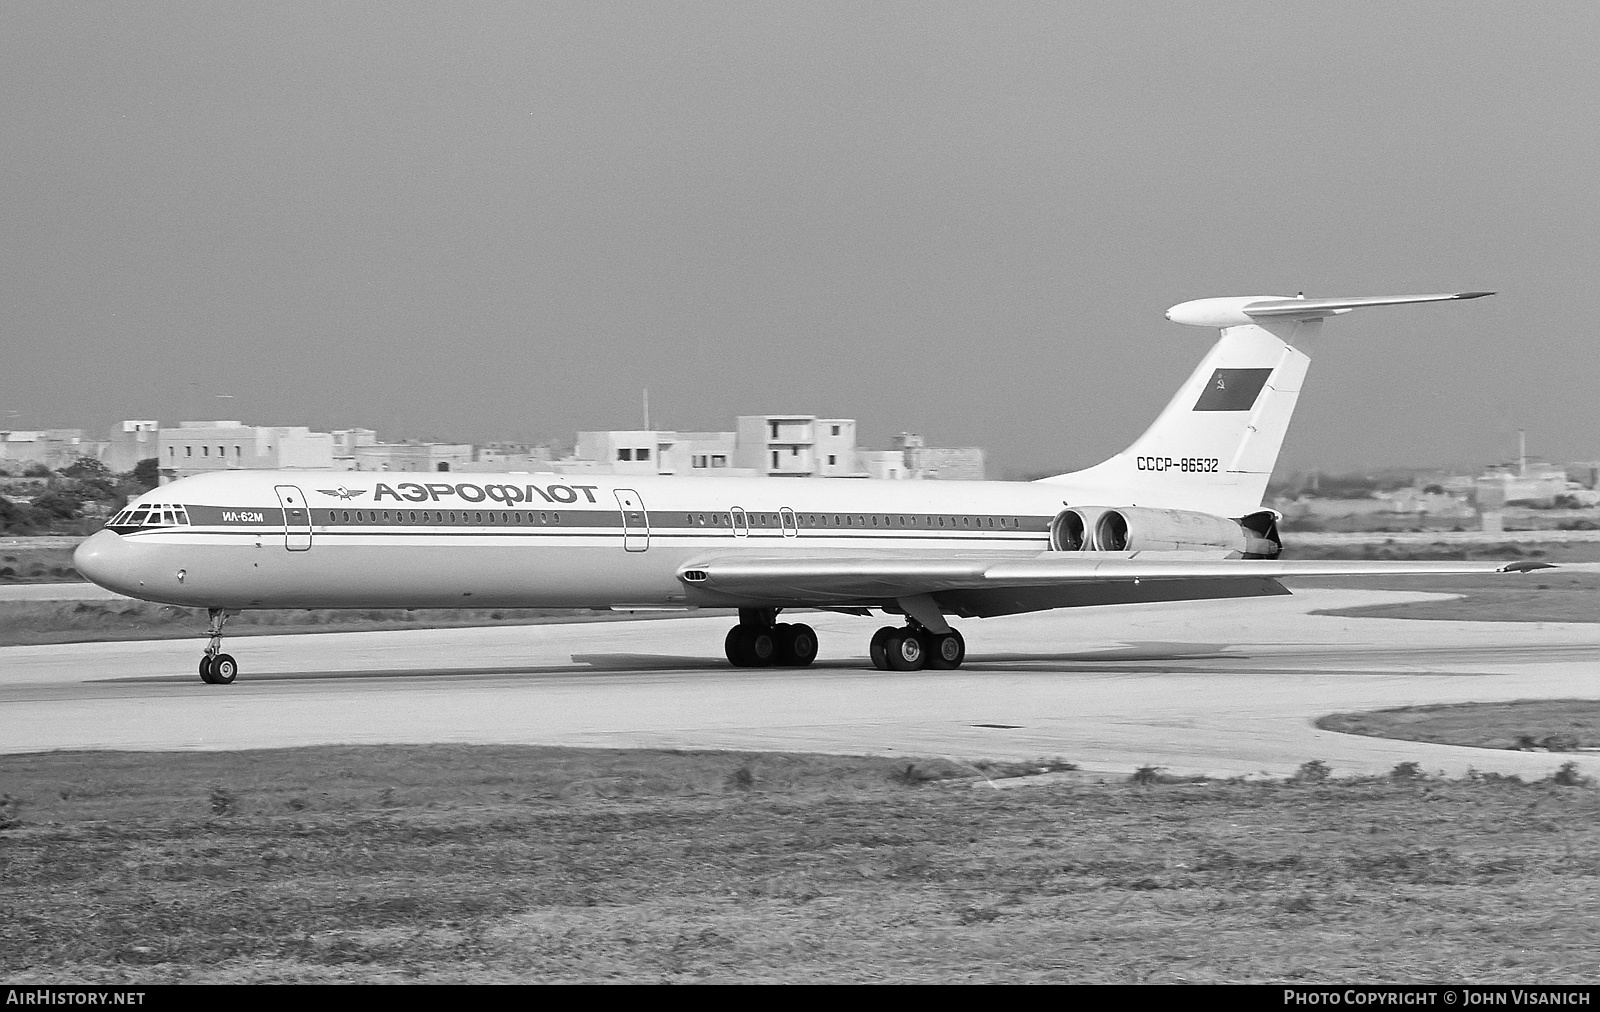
(1213, 448)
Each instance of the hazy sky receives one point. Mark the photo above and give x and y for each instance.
(476, 221)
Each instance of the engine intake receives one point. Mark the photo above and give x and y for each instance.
(1068, 532)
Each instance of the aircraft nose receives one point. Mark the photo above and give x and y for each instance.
(105, 559)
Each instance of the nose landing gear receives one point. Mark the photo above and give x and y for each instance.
(216, 667)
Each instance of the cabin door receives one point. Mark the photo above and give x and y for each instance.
(296, 519)
(635, 521)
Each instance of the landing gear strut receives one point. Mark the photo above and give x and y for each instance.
(913, 647)
(216, 667)
(760, 641)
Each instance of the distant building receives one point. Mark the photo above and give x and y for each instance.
(913, 460)
(54, 448)
(412, 455)
(131, 441)
(198, 447)
(345, 443)
(948, 463)
(887, 465)
(701, 453)
(652, 451)
(623, 451)
(798, 446)
(1531, 483)
(505, 457)
(774, 445)
(1585, 473)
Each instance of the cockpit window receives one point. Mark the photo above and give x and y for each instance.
(151, 515)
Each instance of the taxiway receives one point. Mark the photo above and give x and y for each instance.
(1222, 688)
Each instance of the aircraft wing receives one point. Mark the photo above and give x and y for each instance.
(861, 578)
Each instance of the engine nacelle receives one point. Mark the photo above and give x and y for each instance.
(1140, 529)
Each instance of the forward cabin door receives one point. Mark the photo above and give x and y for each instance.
(296, 519)
(635, 521)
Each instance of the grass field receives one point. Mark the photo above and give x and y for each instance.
(1554, 725)
(454, 863)
(24, 622)
(1542, 596)
(38, 560)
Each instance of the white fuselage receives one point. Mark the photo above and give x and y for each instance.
(299, 539)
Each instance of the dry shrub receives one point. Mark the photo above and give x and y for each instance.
(1314, 772)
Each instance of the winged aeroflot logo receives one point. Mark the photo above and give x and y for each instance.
(342, 492)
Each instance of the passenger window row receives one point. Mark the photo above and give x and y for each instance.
(340, 517)
(861, 520)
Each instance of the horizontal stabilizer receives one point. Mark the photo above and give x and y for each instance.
(1240, 311)
(1311, 309)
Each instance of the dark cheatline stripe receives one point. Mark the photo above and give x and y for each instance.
(258, 521)
(271, 518)
(242, 516)
(1232, 390)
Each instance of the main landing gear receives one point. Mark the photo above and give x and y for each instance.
(760, 641)
(216, 667)
(913, 647)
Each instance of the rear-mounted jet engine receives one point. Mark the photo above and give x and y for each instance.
(1140, 529)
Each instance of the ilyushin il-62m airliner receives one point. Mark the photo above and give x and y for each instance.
(1176, 516)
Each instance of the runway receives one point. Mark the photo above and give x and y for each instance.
(58, 592)
(1222, 688)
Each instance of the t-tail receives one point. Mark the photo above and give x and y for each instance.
(1213, 448)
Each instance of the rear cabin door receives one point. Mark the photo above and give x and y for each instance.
(296, 519)
(635, 521)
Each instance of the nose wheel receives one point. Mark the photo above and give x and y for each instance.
(216, 667)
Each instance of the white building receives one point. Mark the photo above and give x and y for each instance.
(798, 446)
(502, 458)
(54, 448)
(911, 460)
(930, 463)
(702, 453)
(653, 451)
(1533, 482)
(197, 447)
(786, 446)
(412, 455)
(625, 451)
(345, 442)
(888, 465)
(133, 440)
